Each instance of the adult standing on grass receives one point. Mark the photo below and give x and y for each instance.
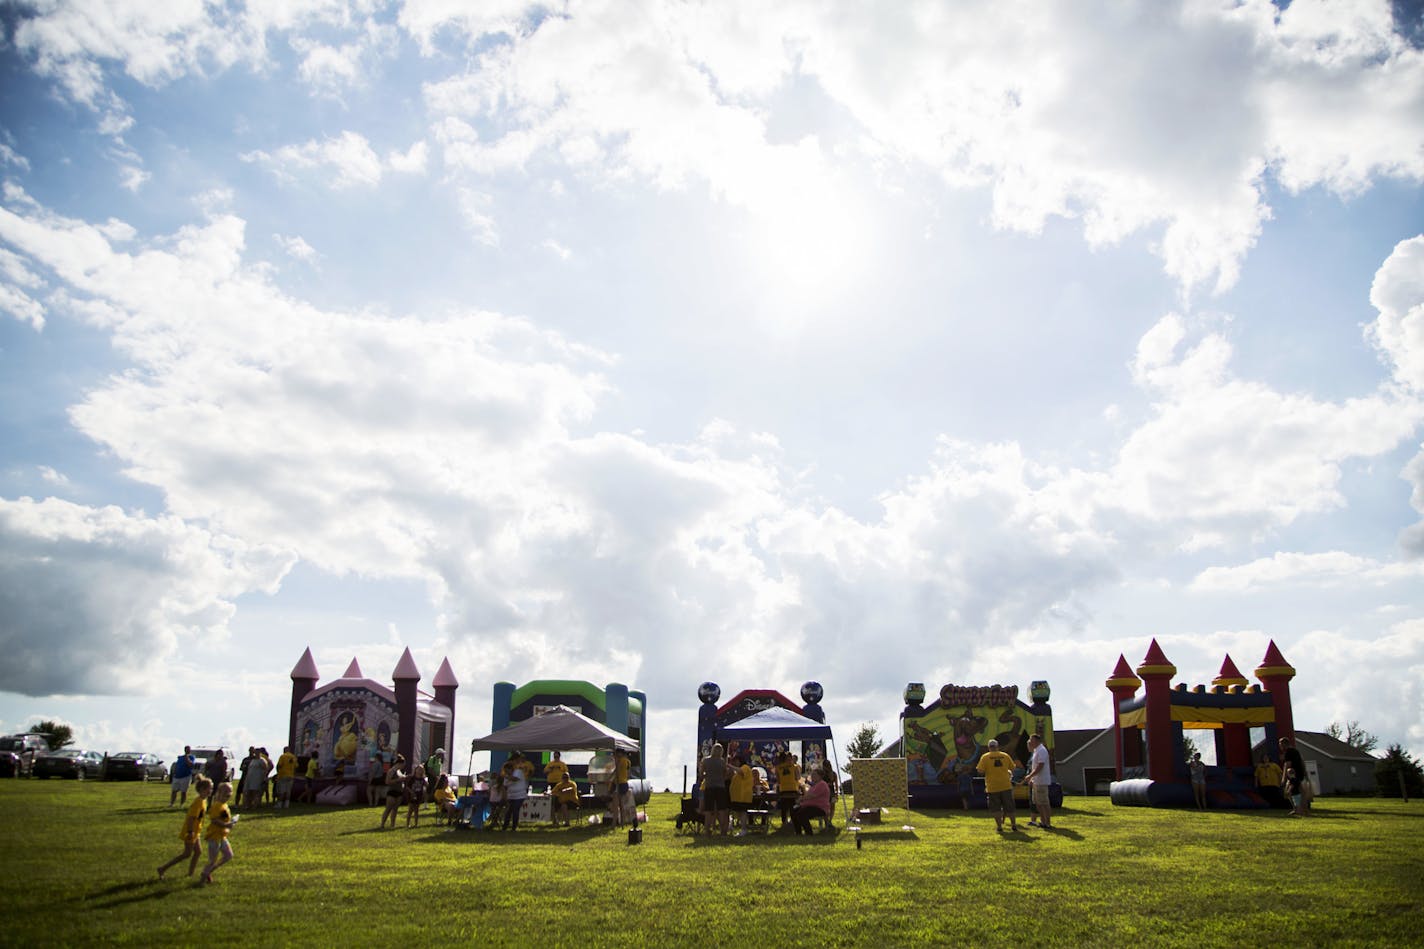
(216, 768)
(715, 798)
(434, 768)
(1040, 779)
(1197, 767)
(395, 790)
(966, 781)
(741, 790)
(555, 771)
(621, 787)
(313, 771)
(998, 771)
(181, 774)
(516, 772)
(788, 785)
(254, 778)
(376, 782)
(286, 774)
(1291, 759)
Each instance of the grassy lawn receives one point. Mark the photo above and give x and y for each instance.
(77, 867)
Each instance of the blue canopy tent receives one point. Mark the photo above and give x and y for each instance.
(782, 724)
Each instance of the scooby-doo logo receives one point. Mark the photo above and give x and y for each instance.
(978, 696)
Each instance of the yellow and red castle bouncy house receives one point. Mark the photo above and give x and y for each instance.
(943, 741)
(1151, 755)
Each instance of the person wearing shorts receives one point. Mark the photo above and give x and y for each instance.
(715, 800)
(220, 821)
(181, 774)
(1040, 777)
(286, 775)
(998, 771)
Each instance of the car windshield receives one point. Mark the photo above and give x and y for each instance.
(10, 744)
(129, 755)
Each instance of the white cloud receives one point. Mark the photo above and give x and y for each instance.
(133, 178)
(1398, 294)
(16, 283)
(411, 161)
(296, 247)
(1232, 455)
(474, 209)
(95, 599)
(53, 477)
(1282, 569)
(426, 19)
(11, 157)
(555, 248)
(1144, 118)
(348, 155)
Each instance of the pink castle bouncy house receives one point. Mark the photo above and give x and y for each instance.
(1147, 729)
(943, 741)
(353, 723)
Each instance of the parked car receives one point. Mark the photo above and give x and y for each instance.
(69, 763)
(18, 753)
(135, 766)
(204, 755)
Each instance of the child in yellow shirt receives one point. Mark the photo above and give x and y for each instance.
(192, 825)
(220, 823)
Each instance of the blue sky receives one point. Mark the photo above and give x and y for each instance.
(660, 343)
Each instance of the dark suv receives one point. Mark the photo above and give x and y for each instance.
(18, 753)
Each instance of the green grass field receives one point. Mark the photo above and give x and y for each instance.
(78, 865)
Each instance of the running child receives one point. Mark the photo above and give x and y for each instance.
(220, 823)
(192, 828)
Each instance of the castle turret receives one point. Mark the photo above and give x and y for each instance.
(304, 679)
(1126, 745)
(1275, 675)
(1233, 739)
(445, 685)
(405, 676)
(1156, 672)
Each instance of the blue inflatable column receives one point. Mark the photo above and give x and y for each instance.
(615, 709)
(499, 718)
(642, 699)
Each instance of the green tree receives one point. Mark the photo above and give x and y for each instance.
(1399, 771)
(1353, 735)
(57, 734)
(866, 742)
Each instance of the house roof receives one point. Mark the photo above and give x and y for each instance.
(1067, 742)
(1332, 747)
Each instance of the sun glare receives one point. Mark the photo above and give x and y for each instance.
(810, 245)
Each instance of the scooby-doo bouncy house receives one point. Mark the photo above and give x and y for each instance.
(1151, 753)
(943, 741)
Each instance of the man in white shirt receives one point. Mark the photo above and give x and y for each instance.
(1040, 778)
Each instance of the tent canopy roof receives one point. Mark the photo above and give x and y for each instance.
(559, 729)
(775, 722)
